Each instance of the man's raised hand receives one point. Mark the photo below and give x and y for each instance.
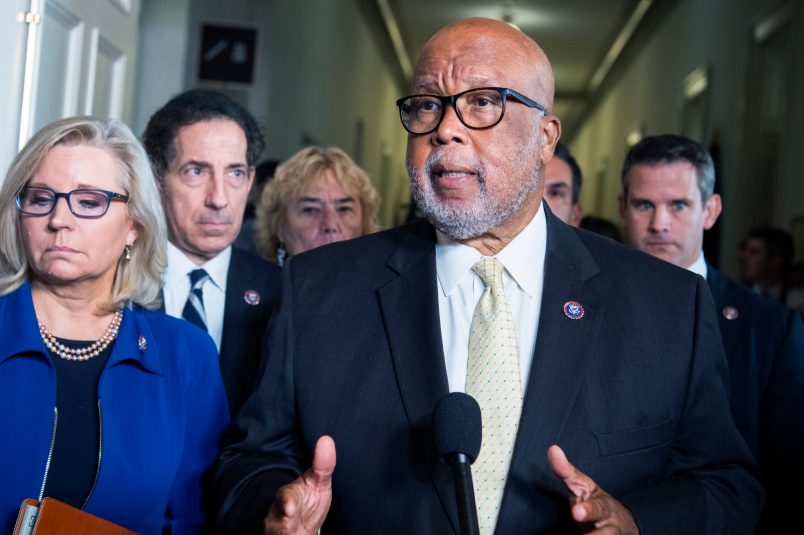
(300, 507)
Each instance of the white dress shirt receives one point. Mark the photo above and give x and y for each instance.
(460, 289)
(699, 266)
(177, 287)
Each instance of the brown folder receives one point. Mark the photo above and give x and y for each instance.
(53, 517)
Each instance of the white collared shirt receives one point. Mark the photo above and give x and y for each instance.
(460, 289)
(699, 266)
(177, 287)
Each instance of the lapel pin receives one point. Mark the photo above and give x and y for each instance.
(142, 343)
(252, 297)
(730, 313)
(573, 310)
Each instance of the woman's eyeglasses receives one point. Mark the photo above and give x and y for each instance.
(84, 203)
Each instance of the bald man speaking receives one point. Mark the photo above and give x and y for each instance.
(598, 370)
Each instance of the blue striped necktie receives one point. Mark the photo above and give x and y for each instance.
(194, 307)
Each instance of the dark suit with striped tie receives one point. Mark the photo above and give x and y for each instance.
(252, 291)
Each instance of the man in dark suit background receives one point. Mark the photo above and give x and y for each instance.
(668, 202)
(203, 147)
(766, 258)
(617, 362)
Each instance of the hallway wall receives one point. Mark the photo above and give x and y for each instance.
(331, 86)
(320, 78)
(648, 97)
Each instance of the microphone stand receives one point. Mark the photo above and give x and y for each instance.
(464, 493)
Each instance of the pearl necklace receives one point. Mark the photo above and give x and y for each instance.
(84, 353)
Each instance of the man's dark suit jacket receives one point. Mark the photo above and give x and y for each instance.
(634, 392)
(764, 343)
(244, 322)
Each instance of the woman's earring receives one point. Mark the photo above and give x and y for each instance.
(128, 253)
(281, 254)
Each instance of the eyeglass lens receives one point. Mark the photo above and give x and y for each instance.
(476, 109)
(83, 203)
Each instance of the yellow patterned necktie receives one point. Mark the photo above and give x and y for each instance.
(493, 380)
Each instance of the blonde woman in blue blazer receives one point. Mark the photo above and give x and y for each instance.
(104, 404)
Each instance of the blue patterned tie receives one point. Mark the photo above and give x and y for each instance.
(194, 307)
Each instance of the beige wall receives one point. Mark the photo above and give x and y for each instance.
(648, 95)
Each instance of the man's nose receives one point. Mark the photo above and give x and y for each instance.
(217, 194)
(450, 128)
(659, 220)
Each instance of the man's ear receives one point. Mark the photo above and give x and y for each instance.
(551, 132)
(576, 215)
(712, 210)
(251, 173)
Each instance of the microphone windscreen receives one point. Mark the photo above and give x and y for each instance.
(457, 426)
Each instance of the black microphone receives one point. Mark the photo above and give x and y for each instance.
(457, 433)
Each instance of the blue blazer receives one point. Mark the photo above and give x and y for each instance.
(635, 392)
(163, 411)
(764, 343)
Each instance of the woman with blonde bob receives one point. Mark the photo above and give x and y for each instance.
(318, 196)
(105, 404)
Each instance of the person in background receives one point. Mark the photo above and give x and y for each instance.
(263, 174)
(105, 404)
(602, 226)
(562, 190)
(668, 201)
(598, 369)
(766, 256)
(203, 147)
(319, 196)
(562, 186)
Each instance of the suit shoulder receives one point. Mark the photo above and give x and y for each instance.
(241, 257)
(364, 252)
(628, 261)
(759, 308)
(248, 269)
(728, 292)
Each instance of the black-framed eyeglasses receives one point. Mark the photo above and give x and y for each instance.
(84, 203)
(478, 108)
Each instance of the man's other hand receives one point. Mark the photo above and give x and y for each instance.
(592, 508)
(300, 507)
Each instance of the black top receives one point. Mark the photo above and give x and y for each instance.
(74, 462)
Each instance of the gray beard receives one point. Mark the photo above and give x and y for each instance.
(480, 215)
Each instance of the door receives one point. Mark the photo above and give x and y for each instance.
(79, 60)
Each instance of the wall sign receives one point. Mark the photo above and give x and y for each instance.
(227, 54)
